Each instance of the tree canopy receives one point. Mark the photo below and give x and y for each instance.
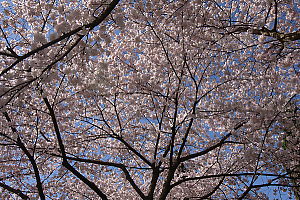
(160, 99)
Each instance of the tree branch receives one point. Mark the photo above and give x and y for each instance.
(31, 159)
(15, 191)
(194, 155)
(65, 162)
(90, 26)
(117, 165)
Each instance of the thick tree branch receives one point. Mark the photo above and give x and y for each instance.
(211, 148)
(117, 165)
(167, 184)
(2, 53)
(89, 26)
(15, 191)
(282, 37)
(153, 184)
(31, 159)
(64, 156)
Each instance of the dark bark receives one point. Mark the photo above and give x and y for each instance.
(89, 26)
(65, 162)
(39, 184)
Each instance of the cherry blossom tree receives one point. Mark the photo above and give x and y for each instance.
(187, 99)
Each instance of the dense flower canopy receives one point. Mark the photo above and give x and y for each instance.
(183, 99)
